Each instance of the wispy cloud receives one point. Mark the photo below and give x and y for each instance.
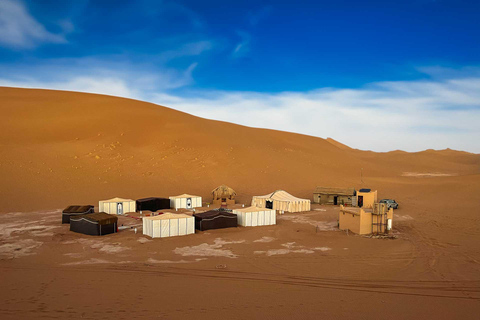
(383, 116)
(18, 29)
(242, 47)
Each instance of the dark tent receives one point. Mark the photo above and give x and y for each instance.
(153, 204)
(215, 220)
(75, 211)
(94, 224)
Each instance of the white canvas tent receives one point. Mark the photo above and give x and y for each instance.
(281, 200)
(253, 216)
(168, 225)
(117, 206)
(185, 201)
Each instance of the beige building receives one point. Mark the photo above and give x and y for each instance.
(223, 195)
(117, 206)
(366, 221)
(281, 200)
(366, 198)
(335, 196)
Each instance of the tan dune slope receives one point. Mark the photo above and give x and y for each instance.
(60, 148)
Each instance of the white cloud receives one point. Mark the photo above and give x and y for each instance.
(243, 46)
(408, 115)
(18, 29)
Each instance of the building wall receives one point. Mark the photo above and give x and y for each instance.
(369, 198)
(322, 198)
(360, 221)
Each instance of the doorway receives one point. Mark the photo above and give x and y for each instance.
(189, 203)
(335, 200)
(269, 204)
(360, 201)
(119, 208)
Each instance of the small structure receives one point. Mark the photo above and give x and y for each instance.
(253, 216)
(281, 200)
(168, 225)
(117, 206)
(76, 211)
(215, 219)
(366, 198)
(94, 224)
(364, 221)
(152, 204)
(185, 201)
(223, 195)
(335, 196)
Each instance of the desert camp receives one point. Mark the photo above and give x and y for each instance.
(240, 160)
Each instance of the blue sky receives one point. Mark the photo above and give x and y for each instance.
(399, 74)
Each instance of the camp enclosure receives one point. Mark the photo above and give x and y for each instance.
(168, 225)
(253, 216)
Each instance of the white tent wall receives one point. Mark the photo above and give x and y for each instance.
(111, 206)
(255, 218)
(180, 202)
(162, 228)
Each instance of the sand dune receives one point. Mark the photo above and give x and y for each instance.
(61, 148)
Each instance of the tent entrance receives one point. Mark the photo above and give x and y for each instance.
(360, 201)
(189, 203)
(335, 200)
(269, 204)
(119, 208)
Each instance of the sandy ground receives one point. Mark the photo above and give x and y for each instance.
(61, 148)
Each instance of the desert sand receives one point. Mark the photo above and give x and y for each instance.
(61, 148)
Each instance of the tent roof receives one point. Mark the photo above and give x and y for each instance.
(185, 195)
(252, 209)
(117, 200)
(339, 191)
(168, 216)
(223, 189)
(77, 209)
(214, 214)
(98, 218)
(151, 198)
(281, 195)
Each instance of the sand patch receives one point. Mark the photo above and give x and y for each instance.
(109, 248)
(427, 174)
(89, 261)
(209, 250)
(144, 240)
(291, 247)
(304, 219)
(151, 260)
(19, 248)
(402, 218)
(265, 239)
